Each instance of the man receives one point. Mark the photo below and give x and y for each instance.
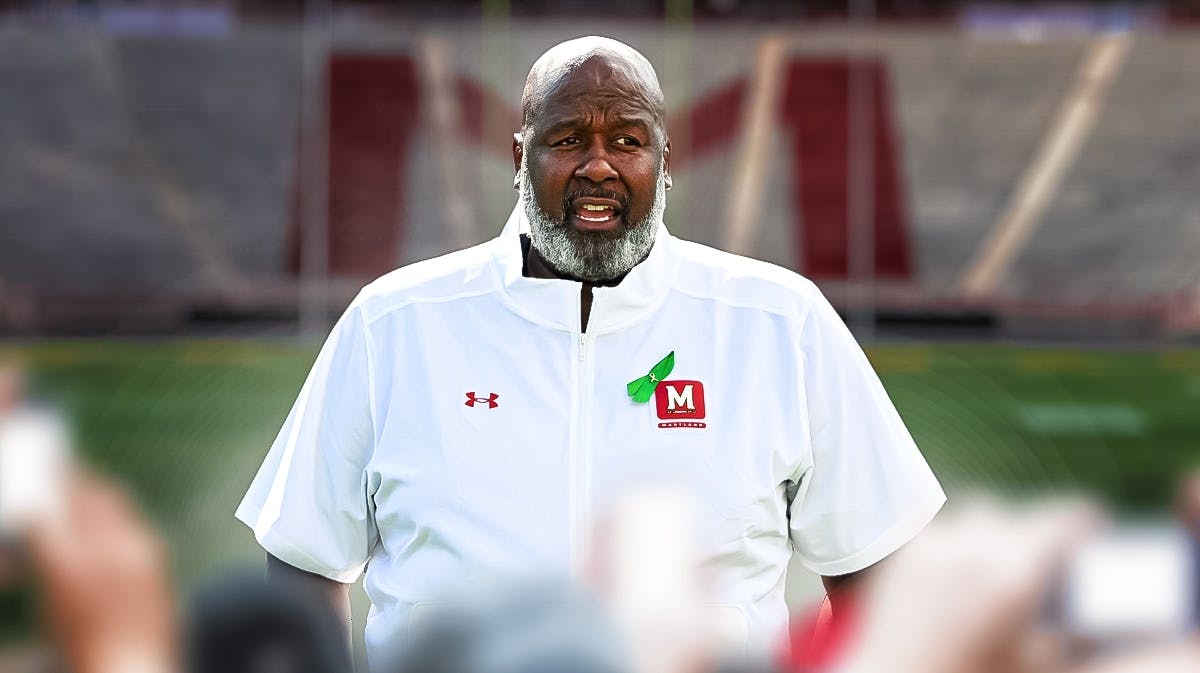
(471, 413)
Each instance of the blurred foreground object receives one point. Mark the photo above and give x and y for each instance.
(34, 447)
(523, 628)
(966, 597)
(648, 573)
(240, 623)
(100, 570)
(644, 609)
(12, 386)
(102, 577)
(1188, 504)
(962, 597)
(1104, 603)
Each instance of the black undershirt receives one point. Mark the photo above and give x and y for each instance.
(536, 266)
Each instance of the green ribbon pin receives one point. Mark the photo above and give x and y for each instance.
(641, 389)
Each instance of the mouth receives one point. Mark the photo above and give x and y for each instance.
(595, 214)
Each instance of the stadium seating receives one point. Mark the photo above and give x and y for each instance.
(168, 168)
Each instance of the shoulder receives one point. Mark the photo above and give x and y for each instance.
(715, 275)
(458, 275)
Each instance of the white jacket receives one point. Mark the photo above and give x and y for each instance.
(457, 423)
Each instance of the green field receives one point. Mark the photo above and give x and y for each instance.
(186, 423)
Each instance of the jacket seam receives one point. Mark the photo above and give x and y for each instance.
(390, 309)
(798, 321)
(370, 381)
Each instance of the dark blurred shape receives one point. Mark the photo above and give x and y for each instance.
(520, 629)
(1188, 514)
(238, 623)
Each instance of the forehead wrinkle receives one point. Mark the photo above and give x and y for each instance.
(575, 103)
(600, 103)
(618, 115)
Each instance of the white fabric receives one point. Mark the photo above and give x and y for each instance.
(383, 460)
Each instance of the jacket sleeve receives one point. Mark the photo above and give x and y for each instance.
(309, 504)
(866, 489)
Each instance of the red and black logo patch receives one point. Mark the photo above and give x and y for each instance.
(680, 404)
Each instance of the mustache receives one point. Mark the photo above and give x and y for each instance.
(593, 192)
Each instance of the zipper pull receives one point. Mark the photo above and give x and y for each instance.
(582, 347)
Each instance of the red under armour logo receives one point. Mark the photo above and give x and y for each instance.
(473, 399)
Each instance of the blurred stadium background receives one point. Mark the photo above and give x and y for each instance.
(1002, 198)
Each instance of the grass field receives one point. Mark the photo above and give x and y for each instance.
(186, 423)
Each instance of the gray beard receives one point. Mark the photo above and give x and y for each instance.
(591, 255)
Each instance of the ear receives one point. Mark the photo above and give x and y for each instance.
(666, 163)
(517, 152)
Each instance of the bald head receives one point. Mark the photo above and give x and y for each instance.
(592, 158)
(607, 62)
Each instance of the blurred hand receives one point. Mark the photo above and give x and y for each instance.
(12, 386)
(962, 597)
(1182, 657)
(1188, 504)
(103, 582)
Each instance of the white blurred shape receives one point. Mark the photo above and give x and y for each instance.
(654, 586)
(653, 551)
(34, 447)
(1131, 583)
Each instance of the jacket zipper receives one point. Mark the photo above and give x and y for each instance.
(579, 459)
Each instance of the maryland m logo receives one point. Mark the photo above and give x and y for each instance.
(680, 404)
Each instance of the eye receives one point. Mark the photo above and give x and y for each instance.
(629, 141)
(569, 140)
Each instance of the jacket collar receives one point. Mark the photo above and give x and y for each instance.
(555, 302)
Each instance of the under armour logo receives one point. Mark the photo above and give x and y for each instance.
(490, 400)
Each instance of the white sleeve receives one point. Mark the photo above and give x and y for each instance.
(866, 490)
(309, 504)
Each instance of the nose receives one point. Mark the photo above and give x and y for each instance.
(596, 167)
